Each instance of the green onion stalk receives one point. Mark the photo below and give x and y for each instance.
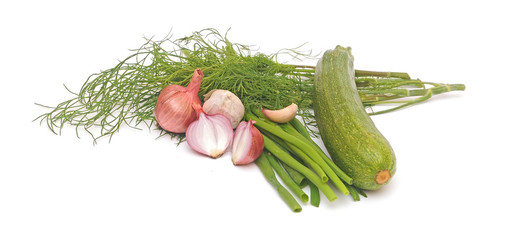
(126, 94)
(292, 153)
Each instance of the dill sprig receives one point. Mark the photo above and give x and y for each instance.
(127, 93)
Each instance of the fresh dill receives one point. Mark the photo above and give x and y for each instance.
(127, 93)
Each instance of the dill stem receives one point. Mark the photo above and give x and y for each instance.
(365, 73)
(381, 96)
(359, 73)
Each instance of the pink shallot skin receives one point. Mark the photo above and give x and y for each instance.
(174, 111)
(253, 149)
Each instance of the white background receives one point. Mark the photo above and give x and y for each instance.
(462, 158)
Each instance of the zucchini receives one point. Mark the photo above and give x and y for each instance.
(348, 133)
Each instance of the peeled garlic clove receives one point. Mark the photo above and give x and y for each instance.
(224, 102)
(248, 143)
(210, 134)
(283, 115)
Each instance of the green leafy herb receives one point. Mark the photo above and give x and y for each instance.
(126, 94)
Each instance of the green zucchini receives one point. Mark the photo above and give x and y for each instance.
(348, 133)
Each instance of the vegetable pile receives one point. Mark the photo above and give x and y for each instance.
(206, 86)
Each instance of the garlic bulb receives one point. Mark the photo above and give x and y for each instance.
(248, 143)
(224, 102)
(174, 111)
(283, 115)
(209, 134)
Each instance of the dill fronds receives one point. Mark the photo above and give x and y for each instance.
(127, 93)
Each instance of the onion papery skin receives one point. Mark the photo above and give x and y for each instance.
(174, 111)
(224, 102)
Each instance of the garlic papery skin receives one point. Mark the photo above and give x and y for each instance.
(174, 111)
(248, 143)
(283, 115)
(224, 102)
(209, 134)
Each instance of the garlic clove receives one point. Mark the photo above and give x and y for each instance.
(210, 134)
(248, 143)
(283, 115)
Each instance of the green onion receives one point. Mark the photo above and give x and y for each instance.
(287, 180)
(285, 157)
(315, 195)
(300, 144)
(325, 162)
(298, 153)
(268, 172)
(353, 193)
(297, 177)
(302, 130)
